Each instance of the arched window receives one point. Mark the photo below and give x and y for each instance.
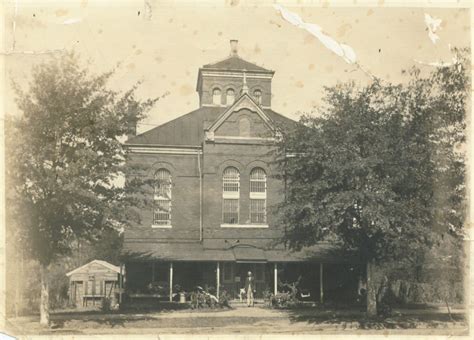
(257, 95)
(230, 195)
(216, 96)
(162, 198)
(258, 196)
(230, 97)
(244, 127)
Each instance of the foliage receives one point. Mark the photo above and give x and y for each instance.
(267, 297)
(159, 287)
(287, 296)
(381, 169)
(64, 160)
(205, 298)
(283, 300)
(224, 298)
(64, 157)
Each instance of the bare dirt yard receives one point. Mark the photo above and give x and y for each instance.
(243, 320)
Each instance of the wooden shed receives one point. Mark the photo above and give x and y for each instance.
(92, 283)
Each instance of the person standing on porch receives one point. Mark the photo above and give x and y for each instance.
(249, 288)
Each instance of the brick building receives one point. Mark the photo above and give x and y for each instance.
(213, 204)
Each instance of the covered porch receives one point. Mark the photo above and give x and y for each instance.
(168, 275)
(164, 281)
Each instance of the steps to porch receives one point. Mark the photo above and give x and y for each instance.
(238, 303)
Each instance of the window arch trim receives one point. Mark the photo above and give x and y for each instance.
(258, 99)
(231, 182)
(258, 196)
(216, 94)
(227, 96)
(230, 195)
(162, 197)
(258, 183)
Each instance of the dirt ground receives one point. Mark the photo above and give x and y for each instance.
(243, 320)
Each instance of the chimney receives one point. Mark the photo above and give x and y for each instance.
(132, 130)
(234, 44)
(245, 88)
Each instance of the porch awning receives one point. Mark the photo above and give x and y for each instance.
(249, 254)
(193, 251)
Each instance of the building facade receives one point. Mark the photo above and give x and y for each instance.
(213, 211)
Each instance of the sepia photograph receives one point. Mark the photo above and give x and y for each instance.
(235, 169)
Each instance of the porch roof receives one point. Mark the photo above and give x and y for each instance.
(154, 251)
(249, 254)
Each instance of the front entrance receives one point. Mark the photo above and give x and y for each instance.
(243, 269)
(234, 275)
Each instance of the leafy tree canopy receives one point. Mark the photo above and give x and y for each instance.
(380, 169)
(64, 156)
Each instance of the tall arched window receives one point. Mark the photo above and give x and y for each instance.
(257, 94)
(162, 198)
(230, 98)
(216, 96)
(230, 195)
(258, 196)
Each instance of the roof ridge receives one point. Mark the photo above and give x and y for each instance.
(220, 60)
(257, 67)
(164, 124)
(101, 262)
(202, 113)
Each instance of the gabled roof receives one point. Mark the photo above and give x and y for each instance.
(100, 262)
(188, 130)
(244, 101)
(235, 63)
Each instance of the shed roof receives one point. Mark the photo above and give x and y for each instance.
(138, 250)
(100, 262)
(188, 130)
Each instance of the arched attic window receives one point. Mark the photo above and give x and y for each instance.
(258, 196)
(230, 195)
(216, 96)
(162, 198)
(230, 97)
(257, 95)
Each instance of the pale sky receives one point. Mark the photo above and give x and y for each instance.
(166, 43)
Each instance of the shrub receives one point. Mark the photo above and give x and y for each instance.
(204, 298)
(224, 298)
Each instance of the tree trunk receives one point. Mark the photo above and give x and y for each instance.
(449, 309)
(44, 304)
(371, 290)
(17, 289)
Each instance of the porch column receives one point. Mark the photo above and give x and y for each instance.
(218, 279)
(321, 292)
(275, 279)
(121, 283)
(171, 281)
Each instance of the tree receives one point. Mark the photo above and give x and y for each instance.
(381, 169)
(64, 157)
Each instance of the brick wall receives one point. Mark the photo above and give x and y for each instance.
(244, 158)
(224, 83)
(185, 195)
